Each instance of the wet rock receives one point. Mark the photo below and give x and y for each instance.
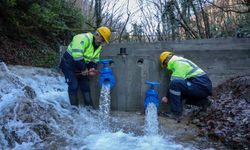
(29, 120)
(42, 130)
(16, 80)
(29, 92)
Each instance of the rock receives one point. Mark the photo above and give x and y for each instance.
(42, 130)
(237, 139)
(245, 120)
(29, 92)
(195, 121)
(211, 124)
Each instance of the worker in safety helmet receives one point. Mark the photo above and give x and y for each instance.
(80, 60)
(188, 82)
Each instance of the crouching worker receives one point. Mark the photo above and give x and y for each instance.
(80, 60)
(188, 82)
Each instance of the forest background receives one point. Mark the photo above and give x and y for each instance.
(31, 31)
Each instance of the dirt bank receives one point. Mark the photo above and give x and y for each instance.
(228, 119)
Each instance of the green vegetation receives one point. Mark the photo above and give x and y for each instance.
(32, 30)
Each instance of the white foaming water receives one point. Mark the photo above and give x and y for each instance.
(123, 141)
(49, 122)
(151, 120)
(104, 105)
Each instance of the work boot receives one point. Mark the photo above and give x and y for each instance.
(73, 100)
(87, 99)
(172, 115)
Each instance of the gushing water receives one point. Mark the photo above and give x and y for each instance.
(151, 120)
(11, 77)
(104, 105)
(49, 122)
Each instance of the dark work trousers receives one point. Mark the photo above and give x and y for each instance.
(195, 90)
(75, 81)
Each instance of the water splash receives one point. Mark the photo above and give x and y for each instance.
(123, 141)
(49, 122)
(11, 77)
(151, 120)
(104, 105)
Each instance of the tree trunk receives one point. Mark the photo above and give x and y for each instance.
(98, 13)
(205, 20)
(197, 20)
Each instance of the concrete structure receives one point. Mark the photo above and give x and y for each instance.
(220, 58)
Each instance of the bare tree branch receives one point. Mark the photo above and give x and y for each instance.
(183, 22)
(205, 19)
(128, 13)
(228, 9)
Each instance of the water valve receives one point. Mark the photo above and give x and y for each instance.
(106, 74)
(151, 95)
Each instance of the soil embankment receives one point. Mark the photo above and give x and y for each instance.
(228, 119)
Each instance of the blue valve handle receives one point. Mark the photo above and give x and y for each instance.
(151, 95)
(105, 61)
(106, 74)
(152, 84)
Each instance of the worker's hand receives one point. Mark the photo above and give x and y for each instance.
(164, 99)
(85, 72)
(92, 71)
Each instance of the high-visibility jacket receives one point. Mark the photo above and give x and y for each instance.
(183, 68)
(81, 47)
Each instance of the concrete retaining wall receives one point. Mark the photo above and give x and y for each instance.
(220, 58)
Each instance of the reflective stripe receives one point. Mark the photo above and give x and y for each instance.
(85, 35)
(177, 93)
(78, 58)
(74, 50)
(82, 48)
(175, 77)
(95, 60)
(195, 68)
(69, 52)
(200, 74)
(90, 54)
(86, 57)
(75, 58)
(77, 50)
(91, 59)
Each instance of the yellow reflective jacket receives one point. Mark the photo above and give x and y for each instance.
(81, 47)
(183, 68)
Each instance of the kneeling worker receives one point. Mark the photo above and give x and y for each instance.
(188, 82)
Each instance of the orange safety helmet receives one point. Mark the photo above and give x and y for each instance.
(105, 32)
(164, 56)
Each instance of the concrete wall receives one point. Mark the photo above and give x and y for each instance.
(220, 58)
